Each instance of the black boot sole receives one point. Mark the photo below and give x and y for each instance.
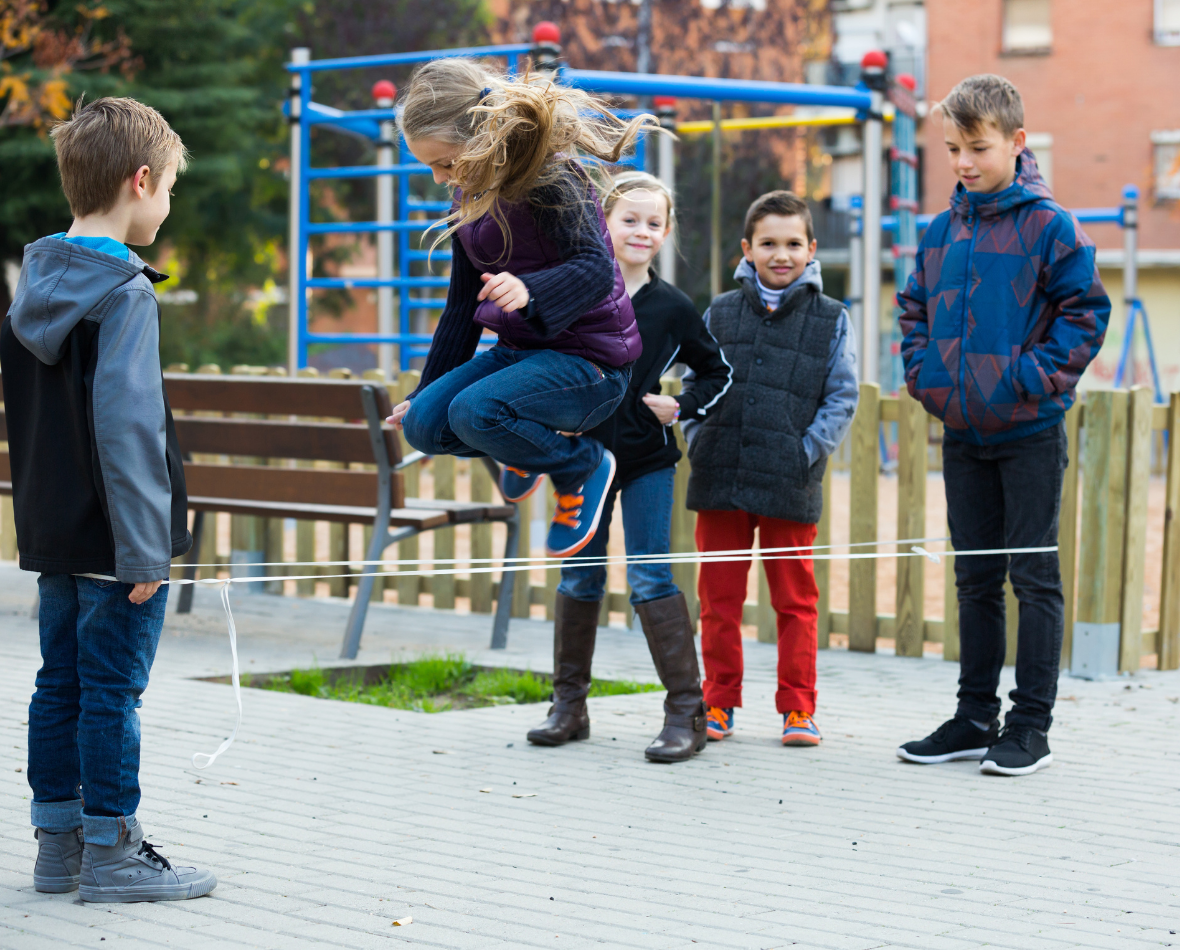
(546, 741)
(672, 760)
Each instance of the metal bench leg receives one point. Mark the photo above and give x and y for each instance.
(507, 583)
(185, 604)
(360, 607)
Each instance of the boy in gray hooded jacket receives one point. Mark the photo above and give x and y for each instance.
(758, 461)
(99, 496)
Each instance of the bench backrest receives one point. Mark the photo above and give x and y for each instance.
(347, 440)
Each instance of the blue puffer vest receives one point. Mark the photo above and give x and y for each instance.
(606, 334)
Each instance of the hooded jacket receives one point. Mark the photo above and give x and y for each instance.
(1003, 312)
(753, 455)
(97, 475)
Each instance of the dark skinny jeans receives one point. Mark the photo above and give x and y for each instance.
(1007, 496)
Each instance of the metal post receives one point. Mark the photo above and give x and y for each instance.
(856, 273)
(666, 108)
(715, 245)
(1130, 247)
(299, 56)
(385, 238)
(873, 74)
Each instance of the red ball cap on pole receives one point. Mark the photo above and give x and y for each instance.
(910, 83)
(664, 102)
(384, 90)
(547, 33)
(874, 59)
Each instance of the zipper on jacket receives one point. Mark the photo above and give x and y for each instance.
(963, 333)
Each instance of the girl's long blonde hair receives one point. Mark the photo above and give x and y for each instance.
(517, 135)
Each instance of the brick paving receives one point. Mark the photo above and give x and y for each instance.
(328, 821)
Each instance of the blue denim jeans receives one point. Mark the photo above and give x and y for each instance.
(647, 529)
(96, 651)
(997, 496)
(511, 405)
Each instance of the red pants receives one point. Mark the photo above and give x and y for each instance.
(793, 594)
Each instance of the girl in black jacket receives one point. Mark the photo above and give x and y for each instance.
(639, 215)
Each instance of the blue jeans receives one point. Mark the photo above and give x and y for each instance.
(997, 496)
(647, 529)
(96, 651)
(511, 404)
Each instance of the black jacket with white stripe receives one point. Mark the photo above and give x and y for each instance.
(672, 332)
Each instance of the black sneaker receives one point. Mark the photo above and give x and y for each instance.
(955, 739)
(1020, 750)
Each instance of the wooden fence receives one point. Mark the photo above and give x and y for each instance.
(1103, 565)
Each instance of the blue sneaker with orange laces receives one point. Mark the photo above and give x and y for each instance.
(719, 724)
(576, 518)
(799, 729)
(517, 485)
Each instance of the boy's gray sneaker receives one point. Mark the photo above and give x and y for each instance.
(59, 861)
(132, 871)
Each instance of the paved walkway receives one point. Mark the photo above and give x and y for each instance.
(329, 821)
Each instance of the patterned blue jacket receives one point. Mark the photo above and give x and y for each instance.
(1003, 313)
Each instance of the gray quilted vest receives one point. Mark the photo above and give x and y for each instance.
(749, 455)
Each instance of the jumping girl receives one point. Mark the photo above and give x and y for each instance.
(639, 214)
(531, 261)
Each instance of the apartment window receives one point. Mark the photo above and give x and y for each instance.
(1027, 28)
(1167, 22)
(1165, 147)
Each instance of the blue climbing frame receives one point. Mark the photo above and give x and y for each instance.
(415, 216)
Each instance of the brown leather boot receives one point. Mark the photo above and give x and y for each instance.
(668, 629)
(574, 628)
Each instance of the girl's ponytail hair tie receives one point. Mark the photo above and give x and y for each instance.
(487, 91)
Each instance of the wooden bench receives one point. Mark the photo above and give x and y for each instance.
(313, 494)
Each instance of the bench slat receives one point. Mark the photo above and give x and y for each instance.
(292, 486)
(423, 519)
(337, 398)
(464, 512)
(331, 442)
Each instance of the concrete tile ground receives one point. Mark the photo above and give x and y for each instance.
(328, 821)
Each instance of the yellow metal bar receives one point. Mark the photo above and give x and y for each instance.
(765, 122)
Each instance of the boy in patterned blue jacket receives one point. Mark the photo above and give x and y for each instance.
(1003, 313)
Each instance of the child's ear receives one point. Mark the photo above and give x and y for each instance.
(1019, 140)
(746, 251)
(811, 250)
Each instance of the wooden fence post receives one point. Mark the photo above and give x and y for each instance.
(442, 586)
(1011, 623)
(377, 595)
(865, 469)
(912, 435)
(1135, 534)
(1103, 507)
(823, 569)
(950, 607)
(274, 527)
(1169, 636)
(764, 610)
(481, 541)
(522, 589)
(248, 532)
(305, 530)
(338, 534)
(408, 587)
(1067, 531)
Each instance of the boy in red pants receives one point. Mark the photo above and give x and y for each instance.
(759, 461)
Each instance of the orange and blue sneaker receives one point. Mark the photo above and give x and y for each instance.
(576, 519)
(800, 729)
(516, 485)
(720, 723)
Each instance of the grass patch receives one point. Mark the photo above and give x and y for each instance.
(434, 683)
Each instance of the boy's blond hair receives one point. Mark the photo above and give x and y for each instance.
(985, 98)
(104, 143)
